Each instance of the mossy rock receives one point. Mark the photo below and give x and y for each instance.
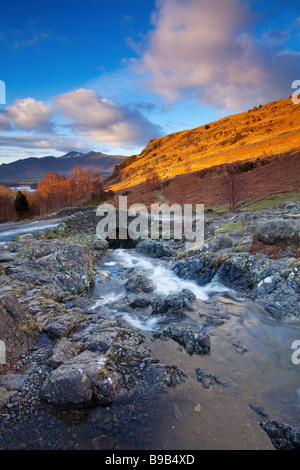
(231, 227)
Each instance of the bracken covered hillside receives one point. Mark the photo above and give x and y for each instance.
(263, 143)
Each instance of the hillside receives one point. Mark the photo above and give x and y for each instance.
(34, 169)
(190, 164)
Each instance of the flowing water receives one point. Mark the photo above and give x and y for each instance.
(261, 372)
(250, 354)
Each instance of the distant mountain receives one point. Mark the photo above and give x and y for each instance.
(34, 169)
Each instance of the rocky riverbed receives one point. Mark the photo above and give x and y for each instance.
(93, 334)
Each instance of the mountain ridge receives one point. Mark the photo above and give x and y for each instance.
(34, 169)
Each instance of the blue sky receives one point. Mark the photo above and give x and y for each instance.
(109, 75)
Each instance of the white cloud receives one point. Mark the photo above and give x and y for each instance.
(203, 49)
(84, 118)
(29, 113)
(104, 121)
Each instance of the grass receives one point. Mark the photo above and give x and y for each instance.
(261, 203)
(268, 202)
(231, 228)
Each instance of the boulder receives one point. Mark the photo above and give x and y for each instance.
(279, 232)
(67, 267)
(174, 304)
(154, 249)
(220, 242)
(81, 382)
(138, 284)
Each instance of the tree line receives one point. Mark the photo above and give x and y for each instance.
(52, 193)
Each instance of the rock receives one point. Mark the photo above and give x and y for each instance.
(139, 284)
(100, 245)
(283, 437)
(198, 343)
(67, 387)
(73, 268)
(7, 257)
(275, 284)
(61, 353)
(105, 390)
(199, 269)
(140, 302)
(13, 381)
(278, 231)
(68, 267)
(17, 331)
(71, 385)
(160, 375)
(174, 304)
(220, 242)
(5, 396)
(59, 327)
(154, 249)
(96, 337)
(207, 380)
(10, 302)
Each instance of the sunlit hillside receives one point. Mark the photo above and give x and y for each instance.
(264, 131)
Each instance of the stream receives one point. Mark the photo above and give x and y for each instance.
(262, 373)
(250, 355)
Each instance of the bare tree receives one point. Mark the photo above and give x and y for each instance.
(232, 187)
(152, 183)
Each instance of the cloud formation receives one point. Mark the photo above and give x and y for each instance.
(82, 113)
(29, 114)
(44, 141)
(102, 120)
(206, 49)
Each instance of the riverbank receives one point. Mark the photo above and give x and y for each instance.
(111, 330)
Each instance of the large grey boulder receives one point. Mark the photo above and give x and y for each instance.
(68, 268)
(81, 382)
(278, 231)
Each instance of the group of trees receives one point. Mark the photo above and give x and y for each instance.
(52, 193)
(56, 191)
(13, 204)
